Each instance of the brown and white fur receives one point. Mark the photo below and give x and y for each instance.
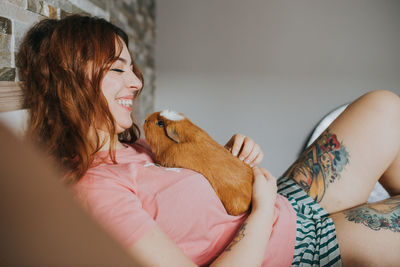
(177, 142)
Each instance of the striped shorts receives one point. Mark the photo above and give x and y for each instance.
(316, 243)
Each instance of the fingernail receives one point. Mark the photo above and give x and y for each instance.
(252, 165)
(241, 158)
(235, 152)
(247, 161)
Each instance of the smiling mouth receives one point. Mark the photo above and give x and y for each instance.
(126, 103)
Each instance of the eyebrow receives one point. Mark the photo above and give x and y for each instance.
(123, 60)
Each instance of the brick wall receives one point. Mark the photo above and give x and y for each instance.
(135, 17)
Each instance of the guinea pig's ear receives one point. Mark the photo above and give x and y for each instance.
(172, 133)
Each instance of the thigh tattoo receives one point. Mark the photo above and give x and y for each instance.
(319, 165)
(384, 214)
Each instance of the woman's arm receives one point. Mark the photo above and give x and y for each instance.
(249, 246)
(155, 248)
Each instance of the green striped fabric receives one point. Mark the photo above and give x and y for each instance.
(316, 243)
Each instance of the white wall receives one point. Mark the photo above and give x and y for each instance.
(271, 69)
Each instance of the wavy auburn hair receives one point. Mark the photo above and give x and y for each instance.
(61, 65)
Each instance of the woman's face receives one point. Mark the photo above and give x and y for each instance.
(119, 86)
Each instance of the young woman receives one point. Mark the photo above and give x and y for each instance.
(80, 82)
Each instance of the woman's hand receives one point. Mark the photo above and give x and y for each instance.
(264, 189)
(246, 149)
(250, 243)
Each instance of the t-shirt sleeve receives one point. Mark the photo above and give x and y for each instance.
(117, 208)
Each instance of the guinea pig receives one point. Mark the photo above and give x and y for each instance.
(177, 142)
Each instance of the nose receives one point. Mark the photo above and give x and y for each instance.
(133, 82)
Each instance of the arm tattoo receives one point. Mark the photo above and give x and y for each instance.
(319, 165)
(239, 236)
(384, 214)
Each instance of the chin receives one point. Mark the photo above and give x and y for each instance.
(123, 127)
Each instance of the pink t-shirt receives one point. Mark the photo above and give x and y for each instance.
(130, 197)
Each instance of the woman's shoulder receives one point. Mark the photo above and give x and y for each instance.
(105, 178)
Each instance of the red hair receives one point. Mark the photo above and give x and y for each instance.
(62, 64)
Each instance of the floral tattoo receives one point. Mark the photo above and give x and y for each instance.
(380, 215)
(319, 165)
(239, 236)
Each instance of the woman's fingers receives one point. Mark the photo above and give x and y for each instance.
(246, 149)
(261, 172)
(255, 156)
(249, 152)
(258, 159)
(257, 172)
(264, 188)
(238, 144)
(266, 173)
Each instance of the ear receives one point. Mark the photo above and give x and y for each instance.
(172, 133)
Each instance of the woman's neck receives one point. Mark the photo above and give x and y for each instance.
(105, 137)
(118, 144)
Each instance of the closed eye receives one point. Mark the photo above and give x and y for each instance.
(117, 70)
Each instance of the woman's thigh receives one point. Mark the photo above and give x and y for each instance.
(369, 235)
(340, 169)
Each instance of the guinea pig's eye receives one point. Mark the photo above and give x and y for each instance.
(160, 123)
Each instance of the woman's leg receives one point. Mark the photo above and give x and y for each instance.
(369, 235)
(390, 180)
(340, 169)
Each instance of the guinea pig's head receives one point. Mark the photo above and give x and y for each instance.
(166, 128)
